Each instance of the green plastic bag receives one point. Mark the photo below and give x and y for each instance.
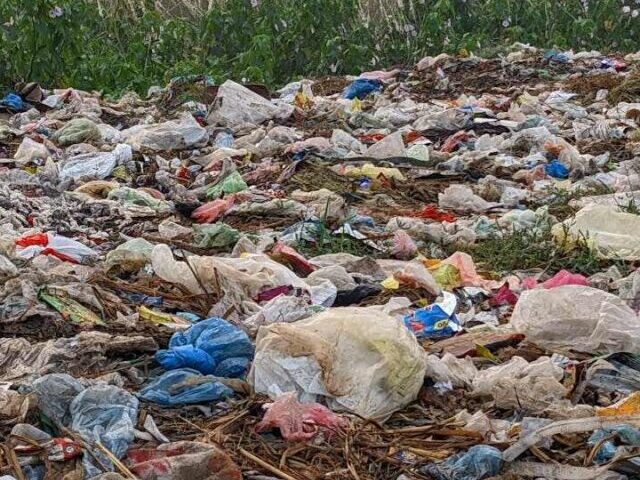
(219, 235)
(232, 183)
(78, 130)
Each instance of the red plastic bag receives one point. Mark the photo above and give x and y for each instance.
(504, 296)
(454, 141)
(299, 421)
(288, 256)
(211, 211)
(434, 213)
(66, 249)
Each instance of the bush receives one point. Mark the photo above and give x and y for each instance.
(128, 45)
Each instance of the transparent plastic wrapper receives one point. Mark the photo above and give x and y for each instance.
(236, 104)
(30, 151)
(336, 274)
(299, 421)
(459, 372)
(78, 130)
(354, 359)
(403, 245)
(412, 274)
(95, 166)
(461, 198)
(575, 317)
(219, 235)
(178, 134)
(612, 233)
(232, 183)
(282, 308)
(518, 384)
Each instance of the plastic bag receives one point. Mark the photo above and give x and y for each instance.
(480, 461)
(183, 387)
(64, 248)
(219, 235)
(212, 346)
(131, 256)
(30, 151)
(467, 271)
(299, 422)
(139, 197)
(404, 247)
(78, 130)
(613, 234)
(95, 166)
(179, 134)
(461, 198)
(564, 277)
(236, 104)
(389, 147)
(212, 211)
(578, 318)
(232, 183)
(361, 87)
(556, 169)
(182, 460)
(356, 359)
(518, 384)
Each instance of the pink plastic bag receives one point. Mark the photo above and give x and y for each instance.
(468, 275)
(299, 422)
(563, 277)
(404, 247)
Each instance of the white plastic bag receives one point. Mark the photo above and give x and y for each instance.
(461, 198)
(356, 359)
(613, 234)
(575, 317)
(95, 166)
(172, 135)
(236, 104)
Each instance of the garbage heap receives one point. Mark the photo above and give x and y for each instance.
(421, 273)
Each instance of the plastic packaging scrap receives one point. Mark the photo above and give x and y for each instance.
(355, 359)
(180, 460)
(576, 317)
(480, 461)
(212, 346)
(362, 87)
(435, 321)
(184, 386)
(612, 233)
(70, 309)
(131, 256)
(299, 421)
(64, 248)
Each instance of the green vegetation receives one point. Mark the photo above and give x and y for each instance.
(113, 45)
(535, 248)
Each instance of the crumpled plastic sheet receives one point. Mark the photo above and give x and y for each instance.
(480, 461)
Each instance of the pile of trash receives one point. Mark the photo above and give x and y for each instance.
(423, 273)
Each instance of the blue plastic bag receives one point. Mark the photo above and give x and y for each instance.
(184, 386)
(481, 461)
(556, 169)
(361, 87)
(14, 102)
(213, 347)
